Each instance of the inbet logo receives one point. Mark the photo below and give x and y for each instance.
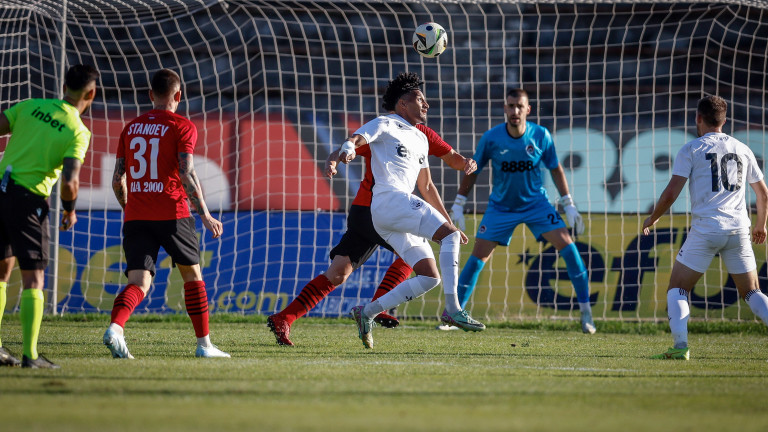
(47, 118)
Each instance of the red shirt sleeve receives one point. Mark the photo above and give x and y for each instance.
(120, 153)
(437, 146)
(187, 136)
(364, 150)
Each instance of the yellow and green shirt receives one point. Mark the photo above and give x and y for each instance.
(43, 133)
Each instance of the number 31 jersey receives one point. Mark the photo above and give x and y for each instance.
(151, 144)
(719, 169)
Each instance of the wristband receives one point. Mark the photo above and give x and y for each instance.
(566, 200)
(460, 200)
(68, 206)
(348, 147)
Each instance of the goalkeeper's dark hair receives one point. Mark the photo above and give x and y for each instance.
(517, 93)
(712, 110)
(403, 84)
(164, 82)
(79, 76)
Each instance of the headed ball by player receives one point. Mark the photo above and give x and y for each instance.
(430, 39)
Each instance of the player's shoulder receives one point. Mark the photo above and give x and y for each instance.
(537, 131)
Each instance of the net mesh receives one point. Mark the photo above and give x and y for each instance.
(274, 86)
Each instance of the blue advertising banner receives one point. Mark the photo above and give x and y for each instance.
(261, 262)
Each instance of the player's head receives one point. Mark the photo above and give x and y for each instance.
(710, 114)
(404, 97)
(165, 89)
(517, 107)
(80, 85)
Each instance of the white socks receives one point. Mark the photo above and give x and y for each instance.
(116, 328)
(449, 269)
(406, 291)
(758, 302)
(678, 312)
(204, 341)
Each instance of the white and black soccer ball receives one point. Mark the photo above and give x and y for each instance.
(430, 39)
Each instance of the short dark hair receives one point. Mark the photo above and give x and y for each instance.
(517, 92)
(712, 110)
(165, 81)
(79, 76)
(403, 84)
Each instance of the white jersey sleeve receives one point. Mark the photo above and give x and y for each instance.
(719, 169)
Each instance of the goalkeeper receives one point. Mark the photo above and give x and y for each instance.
(516, 149)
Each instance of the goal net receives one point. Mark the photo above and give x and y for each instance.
(274, 86)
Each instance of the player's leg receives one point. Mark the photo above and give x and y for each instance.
(691, 262)
(139, 281)
(179, 239)
(28, 231)
(141, 248)
(6, 265)
(427, 277)
(481, 253)
(398, 272)
(196, 302)
(739, 258)
(577, 273)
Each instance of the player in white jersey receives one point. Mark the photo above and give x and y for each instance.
(719, 167)
(405, 221)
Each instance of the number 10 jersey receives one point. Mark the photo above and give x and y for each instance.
(151, 144)
(719, 168)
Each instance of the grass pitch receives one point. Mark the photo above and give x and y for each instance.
(533, 377)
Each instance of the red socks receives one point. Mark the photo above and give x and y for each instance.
(308, 298)
(125, 303)
(196, 300)
(397, 273)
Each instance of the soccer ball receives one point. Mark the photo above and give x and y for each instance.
(430, 39)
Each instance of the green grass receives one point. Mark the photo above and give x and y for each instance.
(537, 376)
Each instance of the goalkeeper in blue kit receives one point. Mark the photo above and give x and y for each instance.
(515, 150)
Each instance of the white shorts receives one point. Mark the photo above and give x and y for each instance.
(735, 250)
(407, 223)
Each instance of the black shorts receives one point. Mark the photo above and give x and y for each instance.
(361, 239)
(142, 241)
(24, 227)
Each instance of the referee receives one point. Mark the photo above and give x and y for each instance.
(48, 140)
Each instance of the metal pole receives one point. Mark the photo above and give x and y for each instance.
(53, 222)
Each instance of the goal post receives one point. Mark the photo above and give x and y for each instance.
(273, 87)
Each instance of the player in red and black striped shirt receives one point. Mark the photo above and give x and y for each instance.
(154, 177)
(359, 243)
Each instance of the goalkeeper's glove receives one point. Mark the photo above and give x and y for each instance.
(572, 214)
(457, 212)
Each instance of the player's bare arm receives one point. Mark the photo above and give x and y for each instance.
(430, 194)
(330, 164)
(467, 183)
(347, 150)
(70, 185)
(667, 198)
(194, 191)
(119, 185)
(459, 162)
(759, 229)
(558, 178)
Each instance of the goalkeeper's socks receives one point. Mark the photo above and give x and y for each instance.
(397, 273)
(196, 301)
(3, 299)
(758, 302)
(679, 312)
(31, 315)
(468, 279)
(308, 298)
(577, 272)
(125, 303)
